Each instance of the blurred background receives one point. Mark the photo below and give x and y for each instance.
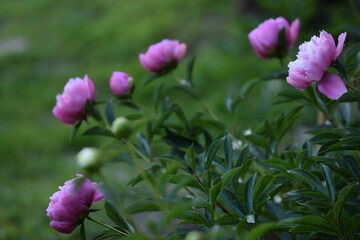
(43, 43)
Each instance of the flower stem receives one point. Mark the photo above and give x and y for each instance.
(352, 88)
(107, 226)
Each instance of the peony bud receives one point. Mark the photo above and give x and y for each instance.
(121, 84)
(122, 127)
(70, 105)
(163, 57)
(265, 38)
(69, 206)
(89, 158)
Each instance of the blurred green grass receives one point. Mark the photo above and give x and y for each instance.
(58, 40)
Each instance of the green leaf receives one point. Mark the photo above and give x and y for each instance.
(341, 199)
(75, 130)
(190, 158)
(310, 178)
(194, 217)
(260, 230)
(324, 137)
(230, 201)
(115, 216)
(107, 235)
(349, 97)
(339, 66)
(248, 194)
(177, 140)
(228, 151)
(329, 181)
(217, 188)
(142, 206)
(313, 223)
(211, 152)
(186, 180)
(99, 131)
(93, 111)
(202, 203)
(151, 78)
(242, 157)
(277, 163)
(82, 234)
(109, 112)
(190, 68)
(259, 141)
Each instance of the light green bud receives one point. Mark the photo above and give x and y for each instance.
(89, 158)
(122, 127)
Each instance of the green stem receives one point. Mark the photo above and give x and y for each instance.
(107, 226)
(352, 88)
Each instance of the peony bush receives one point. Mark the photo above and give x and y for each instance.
(197, 179)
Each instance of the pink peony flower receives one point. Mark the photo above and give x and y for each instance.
(70, 105)
(313, 60)
(69, 206)
(162, 57)
(264, 38)
(121, 84)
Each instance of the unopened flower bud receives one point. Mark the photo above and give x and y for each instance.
(122, 127)
(163, 57)
(89, 158)
(193, 235)
(121, 84)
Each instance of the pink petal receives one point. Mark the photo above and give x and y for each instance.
(294, 32)
(331, 85)
(340, 45)
(179, 52)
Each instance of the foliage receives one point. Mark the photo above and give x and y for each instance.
(64, 39)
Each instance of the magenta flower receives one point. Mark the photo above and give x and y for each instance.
(163, 57)
(69, 206)
(70, 105)
(265, 38)
(121, 84)
(313, 60)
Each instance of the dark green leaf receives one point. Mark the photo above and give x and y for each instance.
(99, 131)
(217, 188)
(313, 223)
(349, 97)
(177, 140)
(231, 203)
(151, 78)
(109, 113)
(339, 66)
(142, 206)
(310, 178)
(242, 157)
(228, 151)
(190, 68)
(93, 111)
(190, 158)
(259, 141)
(211, 152)
(115, 216)
(277, 163)
(75, 130)
(186, 180)
(194, 217)
(248, 194)
(260, 230)
(202, 203)
(341, 199)
(329, 181)
(82, 234)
